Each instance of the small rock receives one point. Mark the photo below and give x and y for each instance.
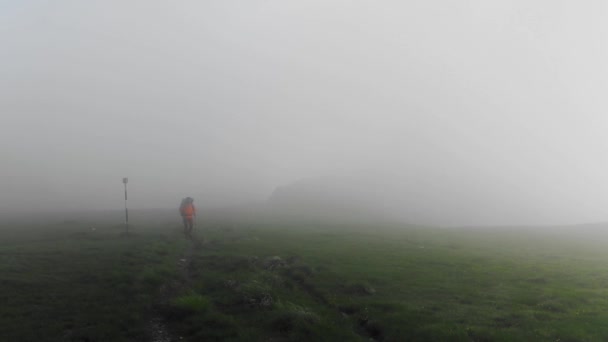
(274, 262)
(231, 284)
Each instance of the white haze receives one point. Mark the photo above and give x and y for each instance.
(470, 112)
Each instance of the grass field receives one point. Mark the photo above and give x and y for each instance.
(63, 281)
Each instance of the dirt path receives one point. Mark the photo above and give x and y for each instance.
(158, 331)
(157, 327)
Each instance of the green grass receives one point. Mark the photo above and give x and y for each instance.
(192, 303)
(418, 284)
(65, 283)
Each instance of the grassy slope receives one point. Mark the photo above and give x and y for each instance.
(66, 282)
(432, 284)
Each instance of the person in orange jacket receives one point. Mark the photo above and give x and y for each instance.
(188, 212)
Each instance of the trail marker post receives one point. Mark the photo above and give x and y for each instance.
(125, 181)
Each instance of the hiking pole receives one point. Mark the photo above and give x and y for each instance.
(125, 181)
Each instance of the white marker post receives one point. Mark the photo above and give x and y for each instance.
(125, 181)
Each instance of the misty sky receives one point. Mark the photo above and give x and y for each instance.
(491, 112)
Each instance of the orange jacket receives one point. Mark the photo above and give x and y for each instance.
(188, 210)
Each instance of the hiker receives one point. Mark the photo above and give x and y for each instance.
(188, 212)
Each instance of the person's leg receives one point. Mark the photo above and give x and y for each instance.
(190, 225)
(185, 225)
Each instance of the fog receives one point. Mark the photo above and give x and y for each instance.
(444, 112)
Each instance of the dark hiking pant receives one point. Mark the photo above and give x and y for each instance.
(188, 225)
